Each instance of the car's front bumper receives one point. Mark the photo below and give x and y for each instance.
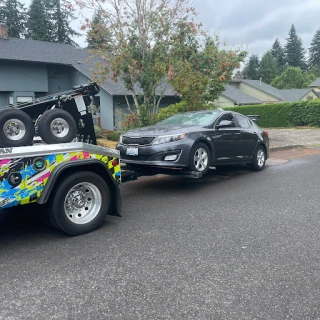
(154, 155)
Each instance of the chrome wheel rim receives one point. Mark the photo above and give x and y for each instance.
(260, 158)
(59, 127)
(14, 129)
(82, 203)
(201, 159)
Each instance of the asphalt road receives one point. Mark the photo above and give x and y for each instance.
(234, 245)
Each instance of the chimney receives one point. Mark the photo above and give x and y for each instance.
(3, 31)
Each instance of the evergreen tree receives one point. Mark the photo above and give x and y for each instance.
(251, 68)
(61, 18)
(268, 69)
(295, 53)
(97, 34)
(314, 51)
(12, 14)
(278, 54)
(39, 23)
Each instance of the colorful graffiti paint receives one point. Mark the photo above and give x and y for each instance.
(22, 179)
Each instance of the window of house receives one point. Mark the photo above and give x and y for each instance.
(10, 100)
(21, 100)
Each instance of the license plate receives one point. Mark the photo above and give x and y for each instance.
(132, 151)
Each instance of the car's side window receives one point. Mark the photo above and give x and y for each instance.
(226, 116)
(243, 121)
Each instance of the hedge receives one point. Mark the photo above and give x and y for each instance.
(289, 114)
(276, 115)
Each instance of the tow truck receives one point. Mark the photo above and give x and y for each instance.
(49, 156)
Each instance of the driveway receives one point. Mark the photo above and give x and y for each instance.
(280, 138)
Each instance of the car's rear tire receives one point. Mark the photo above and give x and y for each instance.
(79, 203)
(259, 159)
(16, 128)
(57, 126)
(200, 158)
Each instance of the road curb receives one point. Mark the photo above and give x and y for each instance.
(289, 147)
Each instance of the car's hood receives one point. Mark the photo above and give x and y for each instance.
(159, 130)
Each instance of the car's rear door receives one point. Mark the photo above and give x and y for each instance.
(248, 134)
(226, 140)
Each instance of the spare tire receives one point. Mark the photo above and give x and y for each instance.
(57, 126)
(16, 128)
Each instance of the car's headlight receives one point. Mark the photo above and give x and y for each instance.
(120, 140)
(171, 138)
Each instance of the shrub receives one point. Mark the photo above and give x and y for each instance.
(130, 121)
(97, 131)
(114, 135)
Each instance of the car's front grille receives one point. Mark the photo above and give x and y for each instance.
(135, 158)
(141, 141)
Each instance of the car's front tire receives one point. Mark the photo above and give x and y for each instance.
(200, 158)
(259, 159)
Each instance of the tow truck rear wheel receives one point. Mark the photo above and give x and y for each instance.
(16, 128)
(57, 126)
(80, 203)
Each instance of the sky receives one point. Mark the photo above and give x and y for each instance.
(253, 24)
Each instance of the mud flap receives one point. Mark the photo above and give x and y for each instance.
(116, 204)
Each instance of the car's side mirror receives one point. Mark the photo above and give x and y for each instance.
(225, 124)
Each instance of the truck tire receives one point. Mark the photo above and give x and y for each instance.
(57, 126)
(16, 128)
(80, 202)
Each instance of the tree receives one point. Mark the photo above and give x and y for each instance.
(295, 53)
(61, 16)
(278, 54)
(156, 42)
(12, 14)
(268, 68)
(293, 78)
(39, 22)
(251, 68)
(314, 51)
(97, 35)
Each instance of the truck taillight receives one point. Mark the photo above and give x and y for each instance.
(266, 133)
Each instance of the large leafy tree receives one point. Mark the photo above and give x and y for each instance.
(278, 54)
(61, 16)
(12, 14)
(294, 51)
(314, 51)
(268, 68)
(293, 78)
(150, 43)
(39, 23)
(251, 68)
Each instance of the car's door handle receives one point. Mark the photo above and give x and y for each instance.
(237, 133)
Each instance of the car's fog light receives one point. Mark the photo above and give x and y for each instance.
(171, 158)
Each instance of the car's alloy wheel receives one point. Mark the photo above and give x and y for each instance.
(259, 159)
(200, 158)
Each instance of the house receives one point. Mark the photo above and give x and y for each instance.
(30, 69)
(246, 92)
(315, 85)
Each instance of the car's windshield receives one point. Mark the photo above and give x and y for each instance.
(195, 118)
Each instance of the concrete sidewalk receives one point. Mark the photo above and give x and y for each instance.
(289, 138)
